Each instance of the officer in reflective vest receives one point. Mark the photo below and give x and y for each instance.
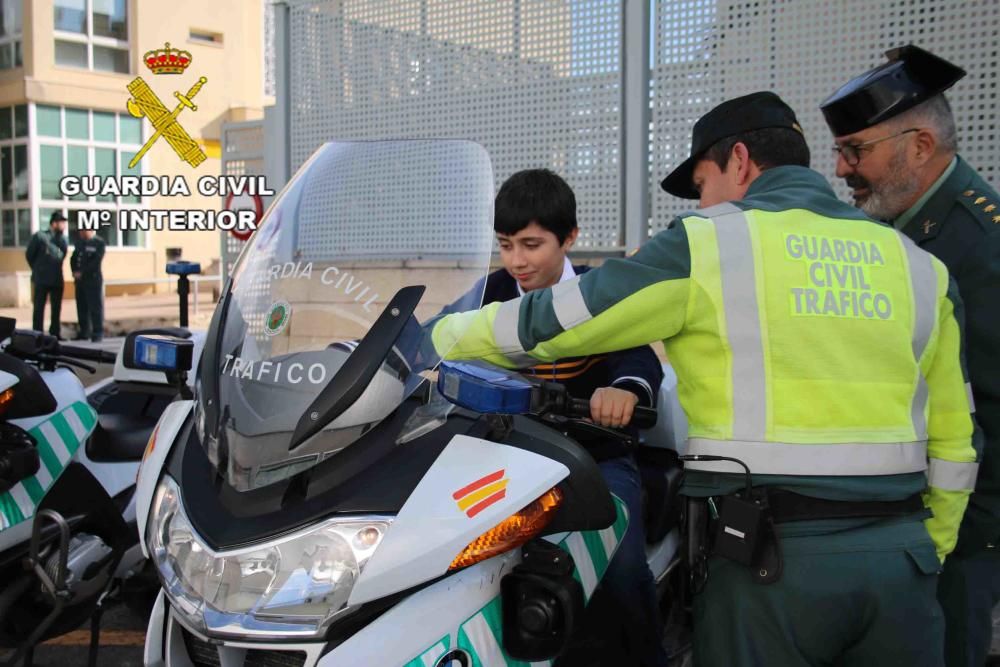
(896, 148)
(818, 347)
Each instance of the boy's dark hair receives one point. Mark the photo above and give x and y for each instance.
(535, 195)
(769, 147)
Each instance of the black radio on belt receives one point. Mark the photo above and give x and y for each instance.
(743, 518)
(741, 525)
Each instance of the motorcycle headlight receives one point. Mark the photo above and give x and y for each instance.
(294, 585)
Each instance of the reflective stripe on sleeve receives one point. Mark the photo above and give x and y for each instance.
(505, 333)
(568, 303)
(952, 476)
(923, 280)
(972, 401)
(781, 458)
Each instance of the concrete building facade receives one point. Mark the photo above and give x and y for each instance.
(64, 70)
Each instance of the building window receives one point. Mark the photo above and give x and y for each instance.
(78, 142)
(10, 34)
(15, 209)
(92, 34)
(110, 233)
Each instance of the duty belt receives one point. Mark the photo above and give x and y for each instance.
(787, 506)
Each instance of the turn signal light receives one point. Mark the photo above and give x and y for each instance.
(151, 444)
(5, 398)
(512, 532)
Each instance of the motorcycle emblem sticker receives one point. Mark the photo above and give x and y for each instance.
(485, 491)
(277, 318)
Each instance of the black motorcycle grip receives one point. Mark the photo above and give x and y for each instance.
(641, 417)
(88, 354)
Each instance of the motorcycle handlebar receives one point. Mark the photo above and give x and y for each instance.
(88, 354)
(641, 417)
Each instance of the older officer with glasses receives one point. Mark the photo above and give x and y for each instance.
(896, 143)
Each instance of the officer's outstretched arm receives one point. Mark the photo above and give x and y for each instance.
(951, 446)
(622, 304)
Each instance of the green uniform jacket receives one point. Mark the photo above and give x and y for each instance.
(960, 225)
(45, 255)
(87, 257)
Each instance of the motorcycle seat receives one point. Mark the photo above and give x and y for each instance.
(120, 437)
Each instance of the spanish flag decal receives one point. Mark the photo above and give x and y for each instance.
(477, 496)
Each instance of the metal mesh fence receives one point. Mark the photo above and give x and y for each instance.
(705, 52)
(536, 82)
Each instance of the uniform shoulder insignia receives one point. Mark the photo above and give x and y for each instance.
(983, 208)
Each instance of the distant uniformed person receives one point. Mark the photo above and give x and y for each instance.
(821, 349)
(897, 149)
(86, 265)
(45, 253)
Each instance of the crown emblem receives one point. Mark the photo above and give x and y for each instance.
(167, 60)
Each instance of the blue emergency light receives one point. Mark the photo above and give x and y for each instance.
(183, 268)
(162, 353)
(484, 388)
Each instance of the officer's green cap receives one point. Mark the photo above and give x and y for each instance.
(57, 216)
(911, 76)
(756, 111)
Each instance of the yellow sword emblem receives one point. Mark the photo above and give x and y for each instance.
(144, 102)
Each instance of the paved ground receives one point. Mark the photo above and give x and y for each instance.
(122, 637)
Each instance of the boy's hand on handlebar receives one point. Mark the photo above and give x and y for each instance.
(612, 407)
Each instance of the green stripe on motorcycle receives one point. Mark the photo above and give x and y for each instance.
(10, 510)
(481, 636)
(595, 547)
(621, 523)
(66, 433)
(34, 489)
(87, 415)
(430, 656)
(48, 457)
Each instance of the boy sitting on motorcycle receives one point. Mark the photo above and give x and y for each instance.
(535, 225)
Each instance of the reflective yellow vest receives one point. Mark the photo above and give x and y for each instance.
(808, 341)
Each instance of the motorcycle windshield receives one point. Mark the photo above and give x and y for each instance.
(358, 223)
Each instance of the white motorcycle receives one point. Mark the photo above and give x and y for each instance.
(69, 458)
(333, 495)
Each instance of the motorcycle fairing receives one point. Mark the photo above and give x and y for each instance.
(437, 522)
(459, 612)
(58, 435)
(169, 426)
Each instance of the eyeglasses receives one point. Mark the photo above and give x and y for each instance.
(852, 152)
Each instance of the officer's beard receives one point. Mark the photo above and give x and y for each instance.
(890, 197)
